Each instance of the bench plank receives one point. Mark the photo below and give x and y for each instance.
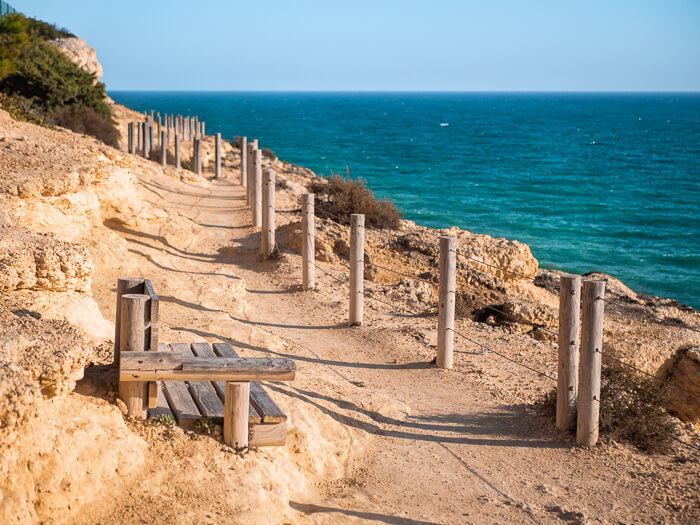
(181, 403)
(259, 398)
(205, 350)
(202, 392)
(215, 369)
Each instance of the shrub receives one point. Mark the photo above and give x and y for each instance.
(21, 109)
(631, 410)
(343, 196)
(46, 81)
(89, 122)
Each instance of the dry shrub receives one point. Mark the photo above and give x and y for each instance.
(343, 196)
(89, 122)
(631, 411)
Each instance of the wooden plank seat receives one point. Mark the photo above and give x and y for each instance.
(191, 381)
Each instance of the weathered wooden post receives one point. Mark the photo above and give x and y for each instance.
(252, 148)
(150, 137)
(130, 134)
(446, 301)
(236, 403)
(146, 140)
(167, 130)
(357, 268)
(244, 162)
(125, 286)
(217, 155)
(308, 248)
(567, 370)
(201, 129)
(140, 137)
(163, 150)
(132, 338)
(593, 297)
(198, 156)
(177, 150)
(196, 127)
(268, 213)
(158, 135)
(256, 192)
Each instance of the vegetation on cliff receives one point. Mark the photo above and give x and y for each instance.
(44, 83)
(342, 196)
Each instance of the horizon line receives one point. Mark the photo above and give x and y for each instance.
(524, 91)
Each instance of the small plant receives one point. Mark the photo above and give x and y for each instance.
(186, 164)
(204, 424)
(343, 196)
(162, 420)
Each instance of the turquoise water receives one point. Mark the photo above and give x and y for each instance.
(606, 182)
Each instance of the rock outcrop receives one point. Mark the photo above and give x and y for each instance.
(81, 54)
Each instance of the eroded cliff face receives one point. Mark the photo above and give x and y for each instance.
(81, 54)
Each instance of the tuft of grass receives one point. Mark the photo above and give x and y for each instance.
(343, 196)
(89, 122)
(204, 424)
(631, 411)
(162, 420)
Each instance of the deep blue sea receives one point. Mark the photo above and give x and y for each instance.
(606, 182)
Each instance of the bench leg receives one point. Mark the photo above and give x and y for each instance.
(236, 414)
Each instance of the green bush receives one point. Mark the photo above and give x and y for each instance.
(343, 196)
(53, 87)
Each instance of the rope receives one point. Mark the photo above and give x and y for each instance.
(660, 319)
(652, 376)
(416, 279)
(539, 372)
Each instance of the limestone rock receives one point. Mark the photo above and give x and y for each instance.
(77, 50)
(39, 261)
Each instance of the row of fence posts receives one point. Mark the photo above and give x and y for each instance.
(260, 192)
(578, 382)
(579, 367)
(140, 139)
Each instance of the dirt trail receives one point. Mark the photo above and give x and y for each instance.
(394, 440)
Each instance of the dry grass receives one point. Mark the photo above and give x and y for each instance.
(631, 411)
(343, 196)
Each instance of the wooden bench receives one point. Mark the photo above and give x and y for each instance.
(191, 381)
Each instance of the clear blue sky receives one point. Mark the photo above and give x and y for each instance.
(454, 45)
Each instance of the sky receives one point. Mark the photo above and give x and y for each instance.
(387, 45)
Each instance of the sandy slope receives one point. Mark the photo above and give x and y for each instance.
(376, 434)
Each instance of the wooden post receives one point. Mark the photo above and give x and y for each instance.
(125, 285)
(567, 371)
(130, 133)
(236, 403)
(357, 268)
(446, 298)
(593, 296)
(244, 162)
(268, 213)
(252, 148)
(197, 156)
(177, 150)
(308, 248)
(150, 139)
(256, 193)
(163, 150)
(167, 130)
(158, 135)
(139, 137)
(217, 154)
(201, 130)
(132, 337)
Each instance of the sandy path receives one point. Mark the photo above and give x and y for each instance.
(427, 446)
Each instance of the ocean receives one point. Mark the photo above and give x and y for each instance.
(591, 182)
